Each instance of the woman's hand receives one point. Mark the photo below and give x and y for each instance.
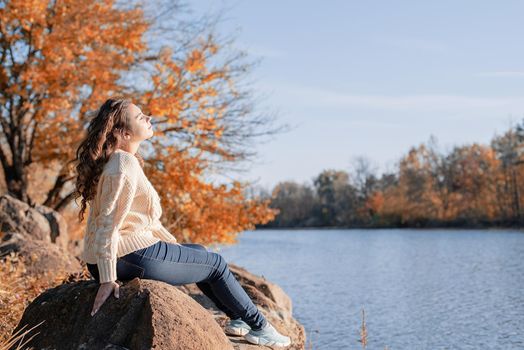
(104, 291)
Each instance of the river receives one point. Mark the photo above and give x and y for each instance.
(420, 289)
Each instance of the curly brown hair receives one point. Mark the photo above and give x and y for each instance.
(100, 142)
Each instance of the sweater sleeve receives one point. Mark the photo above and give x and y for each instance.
(161, 232)
(116, 197)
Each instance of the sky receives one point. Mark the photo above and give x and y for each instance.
(374, 78)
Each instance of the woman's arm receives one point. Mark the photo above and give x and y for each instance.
(116, 197)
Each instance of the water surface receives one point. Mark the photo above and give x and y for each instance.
(420, 289)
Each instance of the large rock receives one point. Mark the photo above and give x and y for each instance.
(41, 257)
(39, 235)
(148, 315)
(40, 222)
(18, 216)
(176, 317)
(57, 225)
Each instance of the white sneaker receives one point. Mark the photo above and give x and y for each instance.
(237, 327)
(267, 336)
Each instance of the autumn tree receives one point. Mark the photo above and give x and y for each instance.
(509, 148)
(469, 185)
(61, 59)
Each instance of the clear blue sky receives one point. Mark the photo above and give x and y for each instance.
(373, 78)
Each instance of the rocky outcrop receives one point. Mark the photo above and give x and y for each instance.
(37, 234)
(147, 315)
(40, 222)
(57, 225)
(18, 216)
(40, 257)
(150, 315)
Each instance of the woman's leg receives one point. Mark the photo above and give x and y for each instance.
(178, 264)
(205, 287)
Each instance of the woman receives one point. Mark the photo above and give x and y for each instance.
(124, 236)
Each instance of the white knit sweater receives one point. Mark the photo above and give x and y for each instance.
(123, 217)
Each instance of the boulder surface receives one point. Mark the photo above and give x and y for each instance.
(150, 315)
(147, 315)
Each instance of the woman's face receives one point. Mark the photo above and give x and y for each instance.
(139, 123)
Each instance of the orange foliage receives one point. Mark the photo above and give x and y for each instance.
(90, 42)
(375, 202)
(77, 51)
(200, 212)
(467, 187)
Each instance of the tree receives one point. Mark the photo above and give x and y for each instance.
(508, 149)
(294, 202)
(473, 180)
(61, 59)
(364, 179)
(336, 197)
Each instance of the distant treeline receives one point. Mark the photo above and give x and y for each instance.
(469, 186)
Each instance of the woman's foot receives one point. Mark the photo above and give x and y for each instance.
(267, 336)
(237, 327)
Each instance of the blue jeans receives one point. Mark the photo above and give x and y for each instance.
(190, 263)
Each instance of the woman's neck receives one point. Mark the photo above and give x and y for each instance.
(128, 148)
